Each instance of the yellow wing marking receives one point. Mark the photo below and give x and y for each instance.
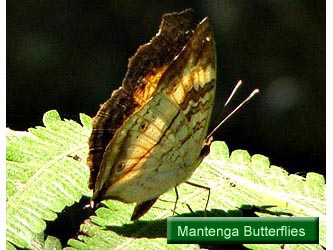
(133, 173)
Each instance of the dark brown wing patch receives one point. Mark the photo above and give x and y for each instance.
(145, 69)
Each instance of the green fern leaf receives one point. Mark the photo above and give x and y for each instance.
(238, 183)
(42, 176)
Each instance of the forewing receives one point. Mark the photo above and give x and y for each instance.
(145, 69)
(190, 80)
(159, 145)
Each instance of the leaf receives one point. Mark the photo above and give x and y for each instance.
(52, 243)
(238, 184)
(43, 177)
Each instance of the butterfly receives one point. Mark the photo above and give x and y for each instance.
(150, 135)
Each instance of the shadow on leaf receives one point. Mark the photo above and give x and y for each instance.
(158, 228)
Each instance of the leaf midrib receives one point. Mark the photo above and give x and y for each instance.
(280, 198)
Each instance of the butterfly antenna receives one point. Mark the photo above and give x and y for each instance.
(253, 93)
(238, 84)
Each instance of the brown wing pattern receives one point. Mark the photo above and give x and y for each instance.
(159, 145)
(140, 150)
(190, 80)
(144, 71)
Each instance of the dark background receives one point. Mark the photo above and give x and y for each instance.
(69, 55)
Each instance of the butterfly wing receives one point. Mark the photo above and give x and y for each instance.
(159, 146)
(145, 69)
(191, 80)
(141, 161)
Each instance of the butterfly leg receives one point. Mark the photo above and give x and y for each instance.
(177, 197)
(204, 187)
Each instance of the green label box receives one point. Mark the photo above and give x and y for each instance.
(304, 230)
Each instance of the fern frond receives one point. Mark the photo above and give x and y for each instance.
(42, 176)
(238, 183)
